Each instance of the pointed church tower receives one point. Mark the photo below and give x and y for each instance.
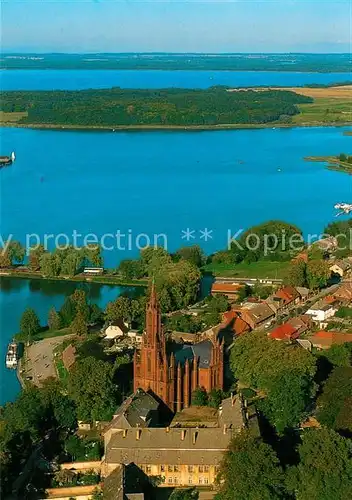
(150, 363)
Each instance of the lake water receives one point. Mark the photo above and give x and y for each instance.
(146, 184)
(17, 294)
(85, 79)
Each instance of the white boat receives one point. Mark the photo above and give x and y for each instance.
(12, 356)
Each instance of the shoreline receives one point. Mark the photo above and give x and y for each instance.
(158, 128)
(315, 72)
(109, 281)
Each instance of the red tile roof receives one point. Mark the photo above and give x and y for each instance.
(287, 294)
(238, 325)
(284, 332)
(225, 287)
(327, 339)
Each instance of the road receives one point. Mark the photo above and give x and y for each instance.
(39, 362)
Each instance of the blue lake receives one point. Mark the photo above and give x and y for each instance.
(85, 79)
(146, 184)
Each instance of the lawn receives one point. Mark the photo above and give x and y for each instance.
(11, 117)
(45, 334)
(260, 269)
(61, 370)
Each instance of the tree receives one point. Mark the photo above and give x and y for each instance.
(318, 274)
(273, 367)
(199, 397)
(95, 314)
(131, 269)
(75, 447)
(79, 324)
(5, 260)
(67, 312)
(215, 398)
(250, 471)
(60, 407)
(184, 494)
(16, 251)
(153, 258)
(93, 254)
(193, 254)
(50, 264)
(29, 323)
(334, 399)
(79, 300)
(244, 292)
(118, 309)
(325, 468)
(338, 355)
(54, 320)
(70, 263)
(35, 255)
(218, 303)
(91, 387)
(296, 274)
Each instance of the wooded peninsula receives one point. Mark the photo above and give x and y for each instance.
(164, 108)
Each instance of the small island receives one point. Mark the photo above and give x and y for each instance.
(342, 162)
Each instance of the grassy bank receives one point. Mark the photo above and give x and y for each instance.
(260, 270)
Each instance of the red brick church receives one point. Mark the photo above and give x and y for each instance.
(173, 377)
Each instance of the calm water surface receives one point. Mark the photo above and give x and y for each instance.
(85, 79)
(155, 183)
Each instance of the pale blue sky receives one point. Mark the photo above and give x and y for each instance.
(173, 26)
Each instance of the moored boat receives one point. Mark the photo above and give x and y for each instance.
(5, 161)
(12, 355)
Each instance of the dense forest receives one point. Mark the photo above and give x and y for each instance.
(165, 107)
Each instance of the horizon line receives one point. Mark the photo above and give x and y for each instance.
(10, 52)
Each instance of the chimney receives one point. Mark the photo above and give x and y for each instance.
(194, 438)
(225, 428)
(138, 434)
(183, 434)
(124, 433)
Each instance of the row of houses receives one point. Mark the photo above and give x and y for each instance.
(253, 314)
(317, 316)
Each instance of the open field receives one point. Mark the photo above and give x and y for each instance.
(11, 117)
(340, 92)
(260, 269)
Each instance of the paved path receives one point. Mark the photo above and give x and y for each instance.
(40, 361)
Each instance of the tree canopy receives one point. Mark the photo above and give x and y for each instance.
(250, 471)
(283, 372)
(324, 471)
(172, 106)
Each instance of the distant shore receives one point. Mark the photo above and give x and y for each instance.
(334, 163)
(151, 128)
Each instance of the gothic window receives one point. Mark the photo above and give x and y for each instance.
(162, 468)
(190, 469)
(206, 468)
(149, 363)
(170, 468)
(148, 469)
(201, 468)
